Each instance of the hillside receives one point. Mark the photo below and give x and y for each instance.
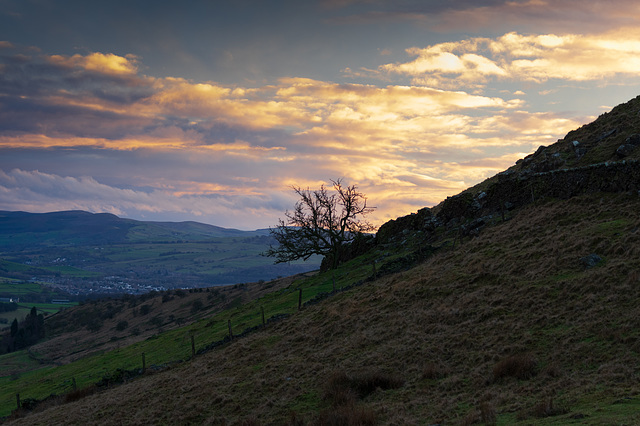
(515, 302)
(83, 253)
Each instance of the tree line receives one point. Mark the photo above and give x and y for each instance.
(23, 334)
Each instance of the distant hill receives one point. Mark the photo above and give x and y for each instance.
(22, 229)
(19, 229)
(89, 253)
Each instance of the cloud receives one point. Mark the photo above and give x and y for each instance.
(522, 58)
(35, 191)
(533, 16)
(109, 64)
(93, 132)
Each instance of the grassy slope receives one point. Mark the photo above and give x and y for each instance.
(442, 329)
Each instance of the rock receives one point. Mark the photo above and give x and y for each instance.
(625, 150)
(607, 134)
(591, 261)
(540, 150)
(402, 226)
(578, 149)
(633, 140)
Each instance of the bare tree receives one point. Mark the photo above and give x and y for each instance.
(321, 224)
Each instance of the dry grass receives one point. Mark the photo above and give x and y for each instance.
(443, 328)
(172, 309)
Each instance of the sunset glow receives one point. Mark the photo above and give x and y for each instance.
(193, 116)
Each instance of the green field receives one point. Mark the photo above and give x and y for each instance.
(25, 308)
(25, 290)
(15, 288)
(162, 349)
(77, 246)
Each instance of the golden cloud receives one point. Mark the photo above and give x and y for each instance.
(405, 145)
(109, 63)
(517, 57)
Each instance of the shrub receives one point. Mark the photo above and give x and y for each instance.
(432, 371)
(145, 309)
(522, 366)
(122, 325)
(157, 321)
(95, 324)
(80, 393)
(196, 306)
(342, 389)
(338, 389)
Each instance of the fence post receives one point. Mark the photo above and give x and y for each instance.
(300, 299)
(263, 322)
(73, 383)
(18, 400)
(193, 346)
(230, 331)
(144, 364)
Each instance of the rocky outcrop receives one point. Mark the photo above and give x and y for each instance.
(469, 212)
(602, 156)
(628, 147)
(423, 220)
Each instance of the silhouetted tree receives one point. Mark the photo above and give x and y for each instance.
(25, 333)
(321, 224)
(14, 327)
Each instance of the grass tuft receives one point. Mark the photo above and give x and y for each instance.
(521, 366)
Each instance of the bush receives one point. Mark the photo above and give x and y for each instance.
(342, 389)
(521, 366)
(432, 371)
(145, 309)
(78, 394)
(94, 324)
(122, 325)
(157, 321)
(196, 306)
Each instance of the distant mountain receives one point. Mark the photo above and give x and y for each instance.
(85, 252)
(61, 228)
(80, 227)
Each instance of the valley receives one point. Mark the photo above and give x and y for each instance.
(82, 254)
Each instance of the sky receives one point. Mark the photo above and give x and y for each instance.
(212, 110)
